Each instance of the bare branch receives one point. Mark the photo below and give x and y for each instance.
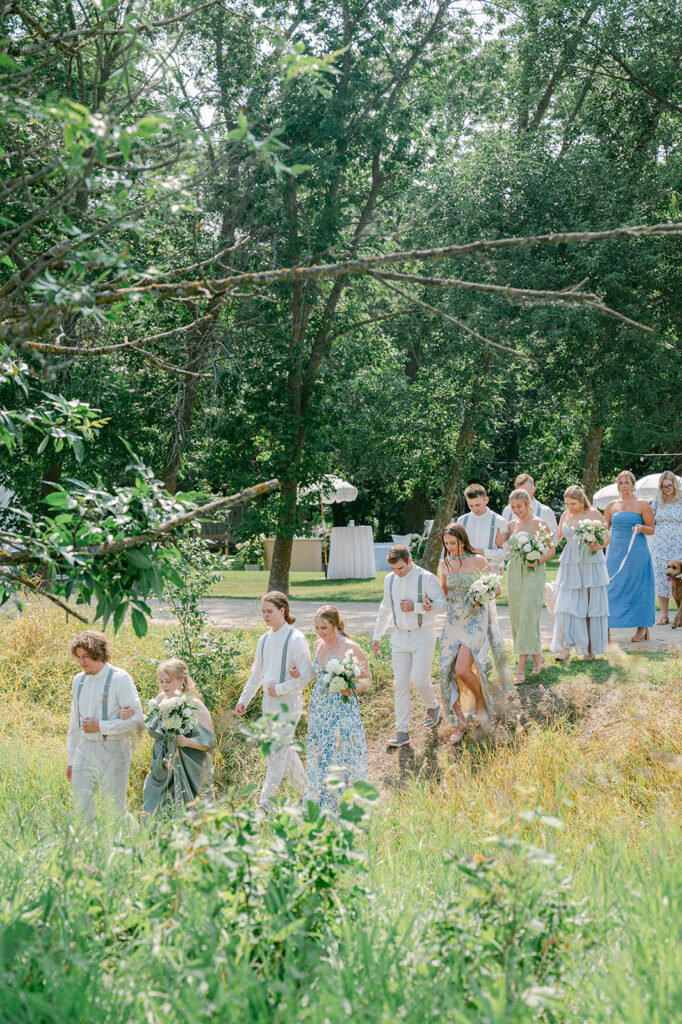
(450, 319)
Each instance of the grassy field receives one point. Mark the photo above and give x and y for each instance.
(310, 586)
(534, 877)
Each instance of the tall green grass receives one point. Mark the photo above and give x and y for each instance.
(534, 877)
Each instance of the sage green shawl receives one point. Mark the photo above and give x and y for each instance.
(178, 775)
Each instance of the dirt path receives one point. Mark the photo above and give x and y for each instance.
(360, 616)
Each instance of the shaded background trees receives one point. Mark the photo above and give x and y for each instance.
(146, 144)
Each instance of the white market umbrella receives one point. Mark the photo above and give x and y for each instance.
(333, 490)
(602, 497)
(647, 487)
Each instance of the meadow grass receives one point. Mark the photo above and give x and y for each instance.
(313, 586)
(88, 935)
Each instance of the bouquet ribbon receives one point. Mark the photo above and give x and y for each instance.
(625, 557)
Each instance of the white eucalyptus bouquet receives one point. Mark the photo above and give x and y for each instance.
(530, 547)
(177, 714)
(342, 674)
(590, 531)
(482, 590)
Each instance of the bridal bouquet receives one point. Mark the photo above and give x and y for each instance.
(482, 590)
(176, 713)
(530, 547)
(590, 531)
(339, 675)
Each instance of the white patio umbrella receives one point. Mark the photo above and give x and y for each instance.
(333, 490)
(647, 487)
(602, 497)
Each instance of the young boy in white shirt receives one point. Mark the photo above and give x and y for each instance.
(283, 667)
(487, 531)
(411, 598)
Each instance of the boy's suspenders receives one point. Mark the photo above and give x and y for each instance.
(105, 696)
(285, 649)
(493, 527)
(420, 587)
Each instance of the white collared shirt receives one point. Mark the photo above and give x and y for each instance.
(267, 669)
(482, 532)
(122, 692)
(406, 587)
(543, 512)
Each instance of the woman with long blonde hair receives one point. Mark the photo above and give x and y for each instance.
(181, 769)
(666, 542)
(582, 604)
(632, 600)
(336, 740)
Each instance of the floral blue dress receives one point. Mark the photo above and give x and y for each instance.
(666, 541)
(336, 740)
(477, 628)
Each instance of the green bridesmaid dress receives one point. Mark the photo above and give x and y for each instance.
(525, 589)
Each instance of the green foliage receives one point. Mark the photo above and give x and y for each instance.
(250, 552)
(211, 654)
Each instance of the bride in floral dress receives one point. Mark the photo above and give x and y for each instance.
(471, 638)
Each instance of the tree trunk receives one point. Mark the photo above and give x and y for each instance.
(592, 451)
(284, 541)
(185, 403)
(446, 510)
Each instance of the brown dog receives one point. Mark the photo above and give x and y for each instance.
(674, 574)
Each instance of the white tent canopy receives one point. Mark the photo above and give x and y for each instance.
(647, 487)
(334, 490)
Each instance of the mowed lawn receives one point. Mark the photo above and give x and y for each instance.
(313, 586)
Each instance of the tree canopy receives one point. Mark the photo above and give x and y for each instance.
(415, 244)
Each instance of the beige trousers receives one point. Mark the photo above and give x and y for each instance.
(101, 766)
(412, 653)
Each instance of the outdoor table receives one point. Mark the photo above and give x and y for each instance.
(351, 553)
(381, 549)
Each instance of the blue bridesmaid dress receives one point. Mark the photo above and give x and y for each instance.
(632, 601)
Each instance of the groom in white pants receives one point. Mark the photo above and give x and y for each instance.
(411, 597)
(98, 743)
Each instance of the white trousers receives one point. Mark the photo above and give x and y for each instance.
(104, 766)
(283, 760)
(412, 653)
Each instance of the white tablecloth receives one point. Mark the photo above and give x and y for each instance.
(351, 553)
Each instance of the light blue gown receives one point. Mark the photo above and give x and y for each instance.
(632, 601)
(581, 595)
(336, 740)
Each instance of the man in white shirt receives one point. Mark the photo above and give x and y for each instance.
(98, 743)
(544, 512)
(411, 597)
(486, 530)
(278, 652)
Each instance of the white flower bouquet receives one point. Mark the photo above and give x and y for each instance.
(482, 590)
(530, 547)
(342, 674)
(590, 531)
(176, 714)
